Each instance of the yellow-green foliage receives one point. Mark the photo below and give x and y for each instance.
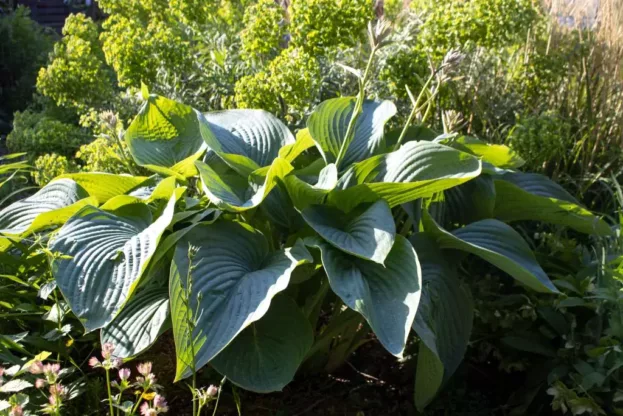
(291, 78)
(77, 75)
(137, 49)
(317, 25)
(141, 37)
(101, 156)
(452, 24)
(255, 91)
(49, 166)
(36, 134)
(264, 29)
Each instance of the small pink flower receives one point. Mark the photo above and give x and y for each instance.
(115, 362)
(107, 350)
(36, 367)
(94, 362)
(16, 411)
(58, 390)
(51, 369)
(124, 374)
(144, 368)
(1, 371)
(160, 403)
(148, 411)
(212, 390)
(151, 378)
(40, 383)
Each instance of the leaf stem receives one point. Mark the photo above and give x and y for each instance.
(350, 131)
(218, 397)
(109, 392)
(415, 108)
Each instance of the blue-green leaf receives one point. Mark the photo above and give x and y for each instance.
(265, 356)
(387, 296)
(226, 284)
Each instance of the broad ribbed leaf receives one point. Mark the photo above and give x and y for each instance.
(104, 186)
(387, 297)
(231, 192)
(164, 134)
(303, 142)
(265, 356)
(304, 194)
(443, 322)
(472, 201)
(497, 154)
(139, 323)
(255, 135)
(104, 255)
(428, 377)
(369, 235)
(525, 196)
(227, 286)
(329, 122)
(498, 244)
(416, 170)
(57, 195)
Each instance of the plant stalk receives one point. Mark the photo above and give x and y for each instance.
(109, 392)
(350, 131)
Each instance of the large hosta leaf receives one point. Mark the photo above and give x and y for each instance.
(104, 186)
(443, 322)
(416, 170)
(497, 154)
(139, 323)
(369, 235)
(387, 296)
(103, 256)
(245, 139)
(233, 278)
(472, 201)
(164, 134)
(329, 122)
(265, 356)
(498, 244)
(529, 196)
(231, 192)
(57, 200)
(304, 194)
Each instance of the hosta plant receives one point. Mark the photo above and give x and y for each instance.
(265, 250)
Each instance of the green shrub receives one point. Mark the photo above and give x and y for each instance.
(288, 86)
(77, 75)
(255, 91)
(101, 155)
(264, 30)
(49, 166)
(450, 24)
(136, 49)
(545, 141)
(318, 26)
(24, 46)
(37, 134)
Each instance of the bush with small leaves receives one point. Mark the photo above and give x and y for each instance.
(320, 25)
(77, 74)
(37, 134)
(51, 165)
(264, 30)
(289, 86)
